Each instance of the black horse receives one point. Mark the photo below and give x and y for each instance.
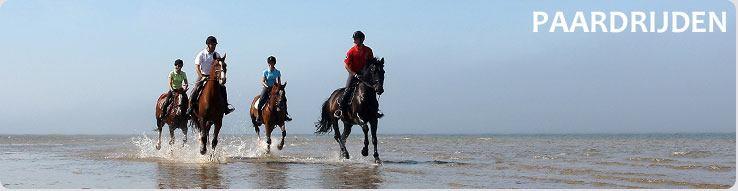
(363, 110)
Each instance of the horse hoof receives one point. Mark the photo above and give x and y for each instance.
(377, 161)
(203, 151)
(346, 155)
(364, 152)
(279, 147)
(158, 147)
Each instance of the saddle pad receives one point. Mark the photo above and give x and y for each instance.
(256, 104)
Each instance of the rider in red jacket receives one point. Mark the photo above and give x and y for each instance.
(356, 58)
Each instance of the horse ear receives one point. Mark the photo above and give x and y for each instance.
(224, 56)
(284, 85)
(382, 60)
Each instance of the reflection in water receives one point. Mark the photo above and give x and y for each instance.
(270, 175)
(172, 175)
(347, 176)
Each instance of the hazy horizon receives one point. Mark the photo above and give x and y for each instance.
(453, 67)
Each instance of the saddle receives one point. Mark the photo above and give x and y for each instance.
(256, 105)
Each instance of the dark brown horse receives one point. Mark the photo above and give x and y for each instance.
(274, 114)
(210, 105)
(364, 109)
(176, 117)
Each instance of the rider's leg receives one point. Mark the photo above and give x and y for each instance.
(262, 100)
(225, 97)
(195, 96)
(344, 103)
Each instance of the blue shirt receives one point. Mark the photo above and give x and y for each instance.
(271, 76)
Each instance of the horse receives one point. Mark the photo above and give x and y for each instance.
(210, 105)
(274, 114)
(364, 109)
(176, 117)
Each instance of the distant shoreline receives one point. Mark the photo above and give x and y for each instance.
(406, 134)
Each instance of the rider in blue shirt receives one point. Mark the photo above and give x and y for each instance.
(270, 76)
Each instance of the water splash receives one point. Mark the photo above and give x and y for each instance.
(178, 152)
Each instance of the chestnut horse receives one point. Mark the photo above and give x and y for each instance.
(364, 109)
(176, 117)
(274, 114)
(210, 107)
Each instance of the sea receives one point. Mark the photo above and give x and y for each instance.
(563, 161)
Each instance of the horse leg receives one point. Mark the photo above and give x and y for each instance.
(216, 131)
(171, 134)
(346, 133)
(365, 150)
(337, 136)
(205, 131)
(374, 141)
(284, 134)
(268, 133)
(159, 126)
(256, 128)
(184, 131)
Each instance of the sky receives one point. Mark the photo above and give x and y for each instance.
(453, 67)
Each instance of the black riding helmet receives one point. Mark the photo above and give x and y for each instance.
(272, 59)
(178, 62)
(358, 34)
(211, 39)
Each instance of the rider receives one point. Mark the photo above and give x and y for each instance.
(177, 84)
(203, 61)
(269, 76)
(356, 58)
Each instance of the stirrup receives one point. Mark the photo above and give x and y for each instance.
(338, 113)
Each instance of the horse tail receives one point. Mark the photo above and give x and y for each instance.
(324, 124)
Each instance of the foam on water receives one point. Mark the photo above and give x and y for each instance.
(229, 149)
(178, 152)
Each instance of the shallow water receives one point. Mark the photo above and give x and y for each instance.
(410, 161)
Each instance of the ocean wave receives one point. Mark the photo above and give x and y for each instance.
(437, 162)
(550, 157)
(691, 154)
(651, 159)
(648, 180)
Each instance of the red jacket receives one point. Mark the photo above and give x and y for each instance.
(356, 57)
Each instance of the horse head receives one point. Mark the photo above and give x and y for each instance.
(278, 94)
(219, 72)
(375, 74)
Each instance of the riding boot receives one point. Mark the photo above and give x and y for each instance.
(225, 97)
(343, 105)
(195, 97)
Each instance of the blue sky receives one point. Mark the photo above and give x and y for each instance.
(453, 67)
